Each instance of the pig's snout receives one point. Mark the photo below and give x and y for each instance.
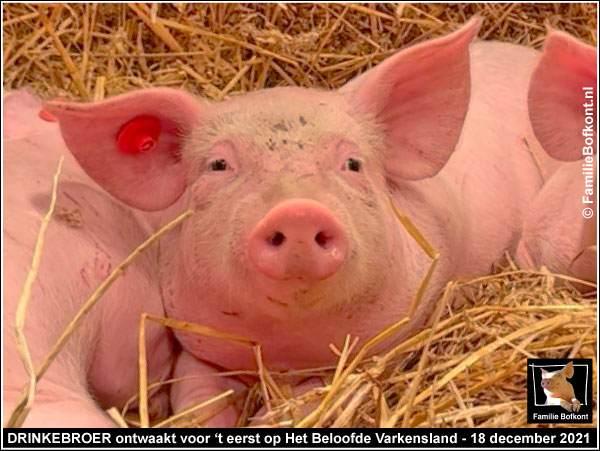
(298, 239)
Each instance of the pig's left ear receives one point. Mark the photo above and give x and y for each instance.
(556, 95)
(131, 144)
(569, 370)
(420, 96)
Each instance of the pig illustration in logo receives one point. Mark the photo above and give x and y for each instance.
(558, 390)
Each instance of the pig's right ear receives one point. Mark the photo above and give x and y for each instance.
(556, 95)
(420, 96)
(569, 370)
(130, 144)
(544, 372)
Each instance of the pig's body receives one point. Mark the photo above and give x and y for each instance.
(556, 233)
(89, 235)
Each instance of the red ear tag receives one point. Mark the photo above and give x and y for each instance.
(139, 135)
(47, 115)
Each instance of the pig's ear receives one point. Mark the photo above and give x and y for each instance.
(420, 96)
(569, 370)
(556, 95)
(131, 144)
(544, 372)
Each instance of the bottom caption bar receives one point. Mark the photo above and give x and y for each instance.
(300, 438)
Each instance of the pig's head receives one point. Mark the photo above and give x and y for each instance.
(289, 186)
(555, 382)
(557, 98)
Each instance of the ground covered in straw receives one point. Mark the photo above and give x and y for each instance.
(89, 51)
(468, 368)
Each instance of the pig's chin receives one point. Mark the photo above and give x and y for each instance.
(301, 296)
(294, 292)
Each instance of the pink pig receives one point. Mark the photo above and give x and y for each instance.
(89, 235)
(560, 228)
(292, 243)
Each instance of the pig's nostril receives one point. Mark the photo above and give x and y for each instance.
(322, 239)
(276, 239)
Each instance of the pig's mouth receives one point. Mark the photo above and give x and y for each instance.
(301, 298)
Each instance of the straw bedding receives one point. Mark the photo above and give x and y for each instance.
(468, 368)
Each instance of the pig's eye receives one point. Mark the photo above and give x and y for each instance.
(219, 165)
(352, 164)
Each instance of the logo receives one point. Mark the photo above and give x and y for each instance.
(559, 390)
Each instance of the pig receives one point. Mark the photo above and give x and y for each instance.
(559, 391)
(293, 243)
(560, 228)
(88, 236)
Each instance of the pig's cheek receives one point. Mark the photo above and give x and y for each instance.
(202, 193)
(197, 249)
(356, 180)
(364, 211)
